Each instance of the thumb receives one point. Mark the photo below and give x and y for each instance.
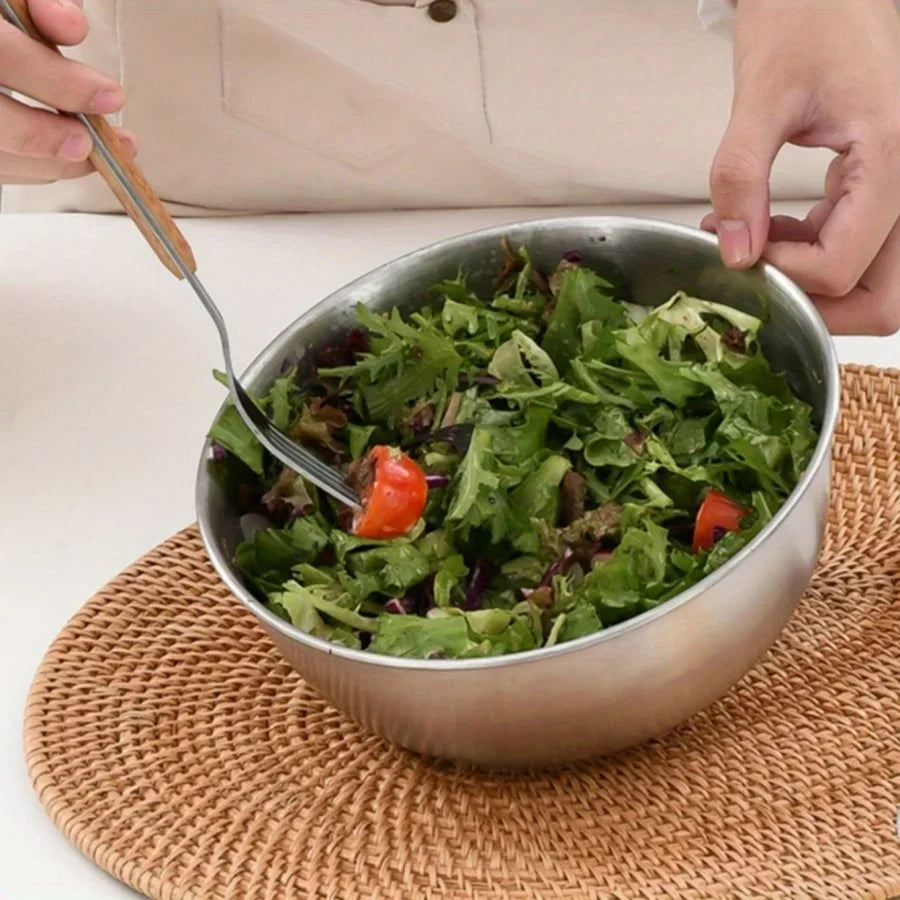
(739, 183)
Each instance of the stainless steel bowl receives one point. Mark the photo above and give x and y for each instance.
(634, 680)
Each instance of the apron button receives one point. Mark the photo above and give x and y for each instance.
(442, 10)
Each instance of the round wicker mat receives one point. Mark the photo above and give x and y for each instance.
(170, 743)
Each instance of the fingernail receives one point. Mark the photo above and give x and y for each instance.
(107, 101)
(70, 4)
(734, 242)
(128, 141)
(75, 147)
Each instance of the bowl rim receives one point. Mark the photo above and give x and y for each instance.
(821, 457)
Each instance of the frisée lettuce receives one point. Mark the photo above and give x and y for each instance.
(568, 438)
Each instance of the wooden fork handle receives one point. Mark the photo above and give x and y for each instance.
(148, 196)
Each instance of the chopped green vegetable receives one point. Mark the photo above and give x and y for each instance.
(571, 437)
(231, 433)
(420, 637)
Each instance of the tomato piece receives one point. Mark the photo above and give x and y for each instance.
(717, 514)
(393, 500)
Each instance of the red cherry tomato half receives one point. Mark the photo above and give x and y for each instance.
(717, 514)
(395, 498)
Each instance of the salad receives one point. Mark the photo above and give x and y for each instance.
(535, 465)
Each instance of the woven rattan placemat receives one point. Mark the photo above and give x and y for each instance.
(171, 745)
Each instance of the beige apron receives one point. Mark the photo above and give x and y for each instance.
(301, 105)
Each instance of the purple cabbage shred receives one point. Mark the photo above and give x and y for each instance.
(401, 606)
(482, 573)
(573, 256)
(437, 481)
(219, 453)
(559, 566)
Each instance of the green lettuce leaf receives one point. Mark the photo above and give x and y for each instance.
(537, 497)
(405, 362)
(309, 606)
(578, 622)
(421, 638)
(279, 401)
(673, 379)
(269, 558)
(583, 297)
(478, 501)
(231, 433)
(358, 439)
(448, 578)
(457, 317)
(637, 569)
(518, 445)
(497, 631)
(521, 361)
(393, 567)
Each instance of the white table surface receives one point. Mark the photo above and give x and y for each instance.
(105, 395)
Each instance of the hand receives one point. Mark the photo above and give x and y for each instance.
(818, 75)
(37, 146)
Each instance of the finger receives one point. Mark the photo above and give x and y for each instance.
(788, 228)
(863, 211)
(60, 21)
(739, 178)
(834, 178)
(785, 228)
(24, 170)
(28, 170)
(38, 72)
(818, 216)
(873, 305)
(35, 132)
(129, 141)
(781, 228)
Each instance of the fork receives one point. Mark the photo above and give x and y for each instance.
(145, 208)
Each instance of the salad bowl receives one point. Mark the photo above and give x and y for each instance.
(628, 682)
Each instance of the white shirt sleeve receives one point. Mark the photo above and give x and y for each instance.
(716, 15)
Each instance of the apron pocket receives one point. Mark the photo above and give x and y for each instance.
(351, 80)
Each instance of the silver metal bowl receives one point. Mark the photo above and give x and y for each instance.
(629, 682)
